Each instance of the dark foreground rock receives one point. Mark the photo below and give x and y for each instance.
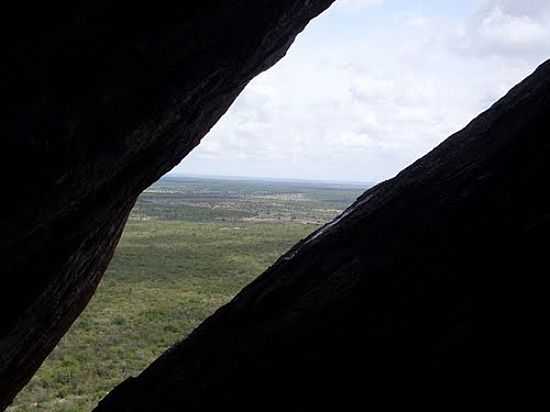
(101, 99)
(379, 303)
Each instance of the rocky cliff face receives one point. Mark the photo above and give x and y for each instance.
(99, 107)
(378, 304)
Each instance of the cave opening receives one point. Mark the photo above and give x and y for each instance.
(301, 143)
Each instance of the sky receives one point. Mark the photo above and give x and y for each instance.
(371, 85)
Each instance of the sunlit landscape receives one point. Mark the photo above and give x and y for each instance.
(190, 245)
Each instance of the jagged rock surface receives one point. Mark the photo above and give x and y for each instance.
(380, 301)
(98, 108)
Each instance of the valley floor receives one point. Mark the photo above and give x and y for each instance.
(188, 248)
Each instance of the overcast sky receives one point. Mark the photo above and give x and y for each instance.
(371, 85)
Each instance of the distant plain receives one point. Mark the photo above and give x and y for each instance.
(189, 246)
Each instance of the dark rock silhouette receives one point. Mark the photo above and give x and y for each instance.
(379, 303)
(98, 108)
(374, 304)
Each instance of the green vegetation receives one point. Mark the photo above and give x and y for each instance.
(189, 247)
(217, 200)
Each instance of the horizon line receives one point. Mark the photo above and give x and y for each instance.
(268, 178)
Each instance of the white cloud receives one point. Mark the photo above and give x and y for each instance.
(361, 101)
(536, 9)
(507, 28)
